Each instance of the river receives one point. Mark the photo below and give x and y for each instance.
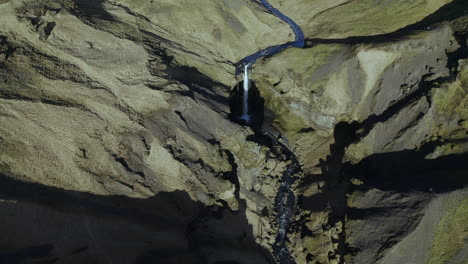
(285, 201)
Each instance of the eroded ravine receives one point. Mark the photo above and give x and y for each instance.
(285, 200)
(285, 203)
(184, 220)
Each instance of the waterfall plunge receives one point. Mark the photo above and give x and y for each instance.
(245, 102)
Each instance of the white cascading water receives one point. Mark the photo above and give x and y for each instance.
(245, 103)
(285, 200)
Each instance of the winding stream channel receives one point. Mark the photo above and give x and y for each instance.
(298, 42)
(285, 201)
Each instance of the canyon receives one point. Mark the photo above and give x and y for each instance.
(120, 140)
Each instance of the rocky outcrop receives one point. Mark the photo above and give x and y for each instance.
(117, 144)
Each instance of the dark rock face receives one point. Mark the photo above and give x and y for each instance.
(255, 105)
(43, 224)
(117, 140)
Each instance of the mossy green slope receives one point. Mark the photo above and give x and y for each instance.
(451, 235)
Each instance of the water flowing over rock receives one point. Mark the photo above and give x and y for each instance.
(118, 142)
(285, 200)
(245, 98)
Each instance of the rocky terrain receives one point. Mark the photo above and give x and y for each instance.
(118, 143)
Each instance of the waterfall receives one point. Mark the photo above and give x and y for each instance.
(285, 200)
(245, 102)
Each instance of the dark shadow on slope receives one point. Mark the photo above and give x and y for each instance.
(409, 171)
(33, 253)
(368, 124)
(332, 199)
(408, 181)
(311, 179)
(406, 174)
(402, 172)
(167, 228)
(256, 107)
(389, 211)
(358, 130)
(335, 188)
(199, 83)
(448, 12)
(336, 185)
(92, 9)
(347, 133)
(6, 49)
(211, 92)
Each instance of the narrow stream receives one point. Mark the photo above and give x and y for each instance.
(285, 203)
(298, 42)
(285, 200)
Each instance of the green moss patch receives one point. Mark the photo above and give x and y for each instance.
(451, 234)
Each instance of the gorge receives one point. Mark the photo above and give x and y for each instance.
(233, 131)
(285, 200)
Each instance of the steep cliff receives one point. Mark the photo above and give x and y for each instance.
(117, 143)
